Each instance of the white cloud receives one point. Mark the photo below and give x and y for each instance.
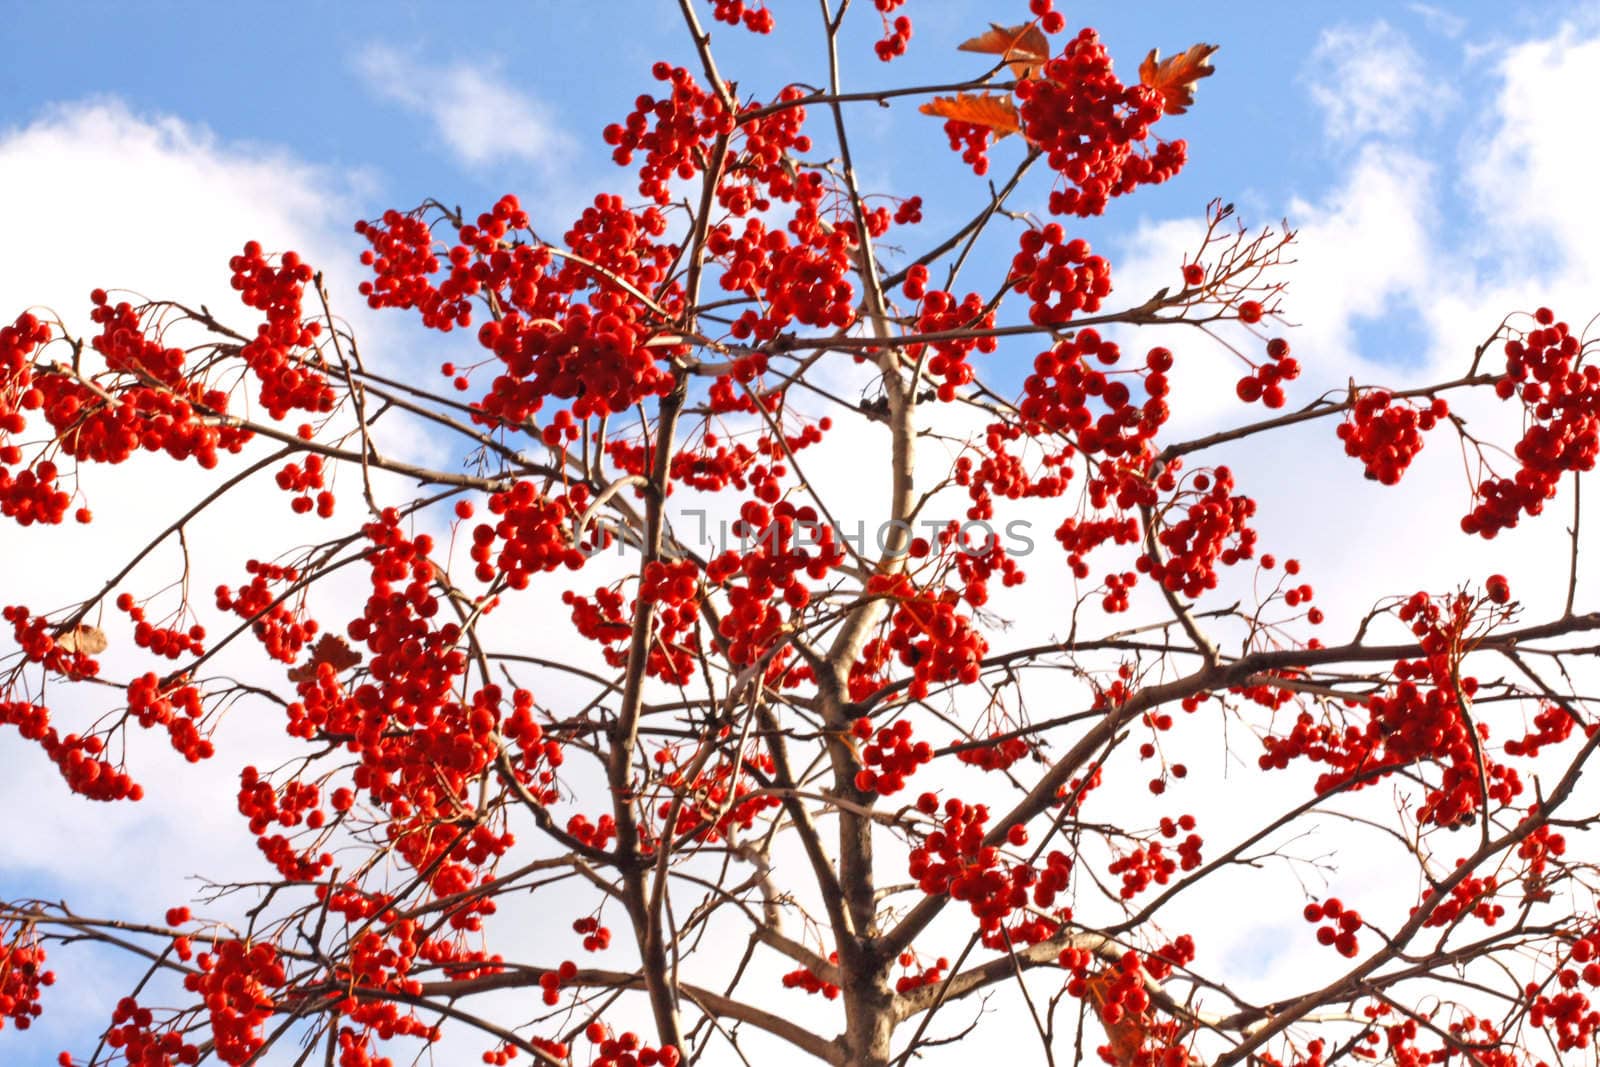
(1532, 171)
(1438, 19)
(473, 109)
(1370, 81)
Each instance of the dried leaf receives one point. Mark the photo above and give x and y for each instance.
(331, 649)
(1174, 77)
(1024, 47)
(90, 640)
(981, 109)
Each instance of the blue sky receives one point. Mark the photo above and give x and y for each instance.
(293, 76)
(1437, 159)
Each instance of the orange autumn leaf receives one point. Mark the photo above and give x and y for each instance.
(1024, 47)
(1125, 1034)
(981, 109)
(1174, 77)
(90, 640)
(330, 649)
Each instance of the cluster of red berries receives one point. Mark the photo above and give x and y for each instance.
(971, 139)
(757, 17)
(302, 479)
(954, 859)
(1385, 434)
(1563, 434)
(1118, 995)
(1470, 896)
(237, 981)
(279, 628)
(80, 759)
(1212, 530)
(1420, 719)
(596, 938)
(140, 1042)
(718, 798)
(765, 584)
(402, 259)
(916, 976)
(288, 806)
(627, 1050)
(550, 981)
(21, 977)
(170, 642)
(806, 979)
(672, 133)
(1264, 382)
(287, 382)
(896, 34)
(928, 634)
(1339, 925)
(1089, 124)
(1152, 863)
(760, 167)
(1069, 382)
(890, 756)
(1060, 277)
(534, 531)
(175, 704)
(998, 753)
(941, 312)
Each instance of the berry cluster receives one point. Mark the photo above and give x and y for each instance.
(1060, 277)
(279, 628)
(1089, 124)
(141, 1042)
(717, 799)
(1562, 401)
(806, 979)
(550, 981)
(287, 382)
(237, 981)
(1265, 381)
(1211, 531)
(760, 166)
(890, 757)
(1339, 925)
(673, 133)
(1471, 896)
(1421, 719)
(757, 17)
(948, 364)
(953, 859)
(896, 34)
(998, 753)
(916, 976)
(627, 1050)
(1152, 864)
(22, 976)
(1386, 434)
(1070, 382)
(302, 479)
(928, 634)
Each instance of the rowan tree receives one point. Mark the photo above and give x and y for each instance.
(802, 794)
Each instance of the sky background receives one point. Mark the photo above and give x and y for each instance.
(1436, 159)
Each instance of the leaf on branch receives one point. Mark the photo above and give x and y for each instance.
(1174, 77)
(1024, 48)
(331, 649)
(90, 640)
(996, 112)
